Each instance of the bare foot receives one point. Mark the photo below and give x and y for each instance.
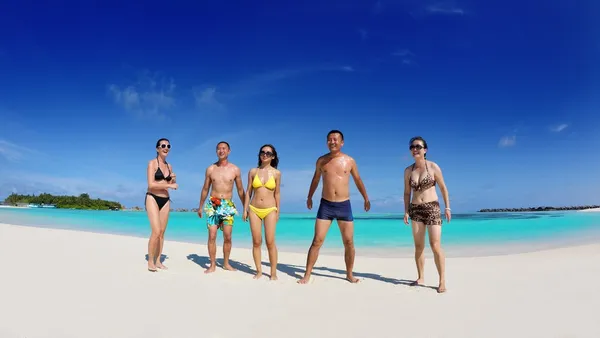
(304, 280)
(441, 288)
(418, 282)
(210, 269)
(273, 276)
(258, 275)
(151, 268)
(160, 266)
(352, 279)
(228, 267)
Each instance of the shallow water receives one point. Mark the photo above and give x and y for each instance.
(486, 233)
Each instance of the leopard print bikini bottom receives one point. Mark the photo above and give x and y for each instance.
(428, 213)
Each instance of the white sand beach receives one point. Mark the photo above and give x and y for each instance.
(59, 283)
(590, 210)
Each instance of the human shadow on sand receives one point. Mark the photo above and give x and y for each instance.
(298, 272)
(204, 262)
(376, 277)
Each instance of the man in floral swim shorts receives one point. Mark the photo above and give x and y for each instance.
(219, 208)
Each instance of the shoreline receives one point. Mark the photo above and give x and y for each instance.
(403, 251)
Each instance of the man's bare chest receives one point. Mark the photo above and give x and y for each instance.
(337, 169)
(222, 176)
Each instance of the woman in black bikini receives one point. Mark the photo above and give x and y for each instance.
(157, 201)
(424, 208)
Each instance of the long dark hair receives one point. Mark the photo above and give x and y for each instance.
(274, 160)
(419, 138)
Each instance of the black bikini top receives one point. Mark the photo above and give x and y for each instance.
(158, 175)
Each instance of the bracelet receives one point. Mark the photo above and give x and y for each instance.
(448, 209)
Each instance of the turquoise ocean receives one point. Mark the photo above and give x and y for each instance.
(381, 234)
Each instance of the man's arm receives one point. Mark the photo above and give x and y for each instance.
(249, 190)
(358, 181)
(315, 180)
(239, 184)
(205, 187)
(407, 190)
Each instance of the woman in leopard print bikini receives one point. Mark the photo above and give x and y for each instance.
(424, 209)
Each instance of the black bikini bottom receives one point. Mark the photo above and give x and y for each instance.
(161, 201)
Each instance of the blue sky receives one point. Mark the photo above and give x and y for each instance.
(506, 94)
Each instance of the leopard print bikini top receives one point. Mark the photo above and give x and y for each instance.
(425, 183)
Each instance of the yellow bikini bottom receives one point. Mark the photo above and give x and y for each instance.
(262, 213)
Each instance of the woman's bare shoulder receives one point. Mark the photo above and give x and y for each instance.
(434, 165)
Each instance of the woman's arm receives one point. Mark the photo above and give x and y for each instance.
(173, 175)
(406, 190)
(277, 190)
(439, 177)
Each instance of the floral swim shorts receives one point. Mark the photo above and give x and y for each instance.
(219, 212)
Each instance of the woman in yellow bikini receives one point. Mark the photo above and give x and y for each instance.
(261, 204)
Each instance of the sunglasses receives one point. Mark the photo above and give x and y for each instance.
(268, 153)
(165, 146)
(418, 147)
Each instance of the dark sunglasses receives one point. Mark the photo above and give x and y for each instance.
(165, 146)
(268, 153)
(418, 147)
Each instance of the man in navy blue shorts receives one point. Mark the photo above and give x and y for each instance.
(336, 169)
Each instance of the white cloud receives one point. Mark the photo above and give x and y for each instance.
(507, 141)
(13, 152)
(445, 9)
(406, 55)
(150, 96)
(439, 8)
(206, 98)
(257, 84)
(559, 128)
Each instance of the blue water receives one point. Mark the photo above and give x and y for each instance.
(380, 231)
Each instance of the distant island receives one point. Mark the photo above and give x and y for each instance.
(579, 207)
(44, 200)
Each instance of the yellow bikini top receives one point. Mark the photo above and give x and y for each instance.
(256, 183)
